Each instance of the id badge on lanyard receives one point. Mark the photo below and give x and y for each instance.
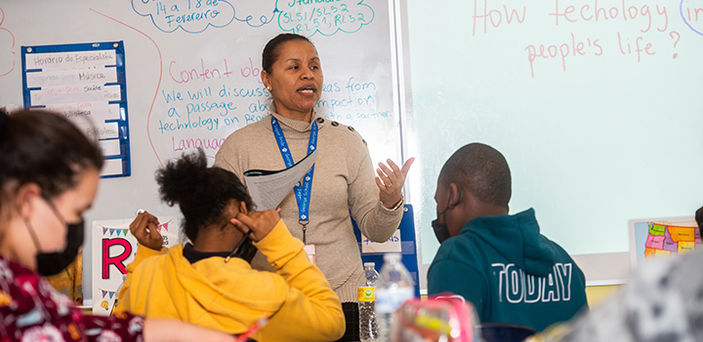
(303, 189)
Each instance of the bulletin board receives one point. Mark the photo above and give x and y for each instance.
(85, 82)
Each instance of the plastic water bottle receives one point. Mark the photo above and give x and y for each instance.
(395, 286)
(368, 331)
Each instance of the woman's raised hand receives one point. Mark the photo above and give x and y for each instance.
(390, 181)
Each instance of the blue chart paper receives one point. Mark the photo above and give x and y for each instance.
(85, 82)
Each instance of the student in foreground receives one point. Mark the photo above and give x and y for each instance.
(662, 302)
(49, 173)
(499, 262)
(209, 281)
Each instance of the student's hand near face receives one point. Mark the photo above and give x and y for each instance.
(145, 228)
(260, 223)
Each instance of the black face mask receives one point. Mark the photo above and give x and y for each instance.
(441, 231)
(49, 264)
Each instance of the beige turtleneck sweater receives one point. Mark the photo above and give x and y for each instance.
(343, 183)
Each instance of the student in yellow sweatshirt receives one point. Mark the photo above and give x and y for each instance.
(209, 281)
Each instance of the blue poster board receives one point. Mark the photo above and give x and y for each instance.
(407, 243)
(85, 82)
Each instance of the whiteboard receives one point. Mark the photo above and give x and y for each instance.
(193, 76)
(609, 132)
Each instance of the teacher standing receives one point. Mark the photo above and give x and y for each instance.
(341, 182)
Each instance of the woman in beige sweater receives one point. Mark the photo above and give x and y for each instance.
(341, 182)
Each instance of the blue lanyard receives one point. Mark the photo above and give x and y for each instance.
(302, 191)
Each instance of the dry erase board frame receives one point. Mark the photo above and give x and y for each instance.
(116, 144)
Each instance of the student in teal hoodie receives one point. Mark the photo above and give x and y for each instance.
(499, 262)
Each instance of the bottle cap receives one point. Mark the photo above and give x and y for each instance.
(369, 264)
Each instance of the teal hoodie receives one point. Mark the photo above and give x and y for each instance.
(510, 272)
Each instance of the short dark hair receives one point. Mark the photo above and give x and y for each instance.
(482, 170)
(270, 53)
(699, 217)
(45, 148)
(202, 192)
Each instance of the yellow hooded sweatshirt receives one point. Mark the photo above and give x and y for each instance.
(230, 297)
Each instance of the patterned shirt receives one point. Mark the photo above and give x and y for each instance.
(31, 310)
(662, 303)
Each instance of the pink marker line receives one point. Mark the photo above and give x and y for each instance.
(13, 43)
(158, 85)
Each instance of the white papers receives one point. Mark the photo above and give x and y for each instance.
(93, 92)
(77, 60)
(98, 111)
(269, 188)
(99, 75)
(110, 147)
(392, 245)
(112, 167)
